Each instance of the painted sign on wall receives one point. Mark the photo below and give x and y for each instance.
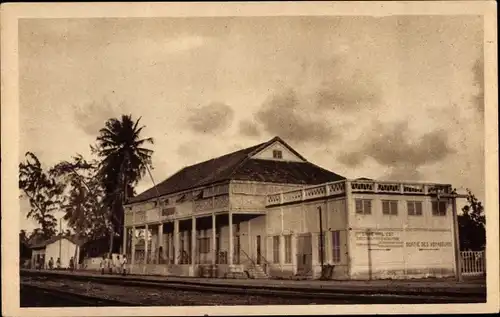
(395, 239)
(379, 239)
(426, 245)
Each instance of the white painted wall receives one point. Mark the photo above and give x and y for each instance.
(287, 155)
(67, 251)
(400, 245)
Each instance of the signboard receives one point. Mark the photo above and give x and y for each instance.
(379, 240)
(426, 245)
(388, 240)
(169, 211)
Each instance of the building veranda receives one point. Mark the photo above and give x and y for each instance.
(256, 213)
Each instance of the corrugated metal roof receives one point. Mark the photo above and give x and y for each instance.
(238, 166)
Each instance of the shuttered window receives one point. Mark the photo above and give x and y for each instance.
(439, 208)
(414, 208)
(336, 246)
(276, 249)
(390, 207)
(363, 206)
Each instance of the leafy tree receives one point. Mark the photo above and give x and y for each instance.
(83, 197)
(124, 161)
(23, 236)
(42, 191)
(471, 224)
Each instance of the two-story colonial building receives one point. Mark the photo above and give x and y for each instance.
(256, 212)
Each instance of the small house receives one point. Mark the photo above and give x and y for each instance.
(63, 247)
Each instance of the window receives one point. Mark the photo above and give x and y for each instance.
(336, 246)
(276, 249)
(321, 251)
(439, 208)
(363, 206)
(389, 207)
(288, 249)
(204, 245)
(277, 154)
(414, 208)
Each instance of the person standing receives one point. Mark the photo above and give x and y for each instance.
(123, 263)
(58, 263)
(110, 263)
(117, 264)
(71, 264)
(103, 264)
(51, 263)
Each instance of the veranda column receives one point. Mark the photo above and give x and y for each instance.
(124, 246)
(132, 260)
(282, 250)
(294, 253)
(193, 241)
(146, 239)
(231, 240)
(160, 242)
(214, 239)
(315, 249)
(176, 242)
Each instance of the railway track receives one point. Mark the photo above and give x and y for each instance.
(38, 296)
(239, 290)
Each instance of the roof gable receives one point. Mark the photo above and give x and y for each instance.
(287, 152)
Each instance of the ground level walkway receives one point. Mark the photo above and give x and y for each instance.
(470, 286)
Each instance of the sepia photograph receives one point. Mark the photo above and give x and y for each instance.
(250, 155)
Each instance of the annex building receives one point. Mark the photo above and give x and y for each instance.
(256, 213)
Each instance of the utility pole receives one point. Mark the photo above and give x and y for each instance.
(458, 258)
(60, 238)
(321, 247)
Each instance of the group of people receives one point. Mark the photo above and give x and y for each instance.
(40, 265)
(117, 265)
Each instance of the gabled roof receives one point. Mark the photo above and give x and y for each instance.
(239, 166)
(45, 243)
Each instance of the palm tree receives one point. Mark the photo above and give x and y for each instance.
(124, 163)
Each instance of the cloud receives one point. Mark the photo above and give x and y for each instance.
(212, 118)
(90, 118)
(346, 89)
(283, 114)
(478, 73)
(189, 149)
(249, 128)
(394, 146)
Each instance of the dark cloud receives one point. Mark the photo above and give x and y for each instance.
(214, 117)
(392, 146)
(478, 72)
(249, 128)
(346, 91)
(284, 115)
(92, 117)
(190, 151)
(331, 87)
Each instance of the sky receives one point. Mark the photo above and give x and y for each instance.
(391, 98)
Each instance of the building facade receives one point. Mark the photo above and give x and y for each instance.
(64, 248)
(266, 211)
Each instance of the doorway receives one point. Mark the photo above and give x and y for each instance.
(304, 253)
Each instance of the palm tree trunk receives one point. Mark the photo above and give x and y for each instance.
(111, 236)
(124, 198)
